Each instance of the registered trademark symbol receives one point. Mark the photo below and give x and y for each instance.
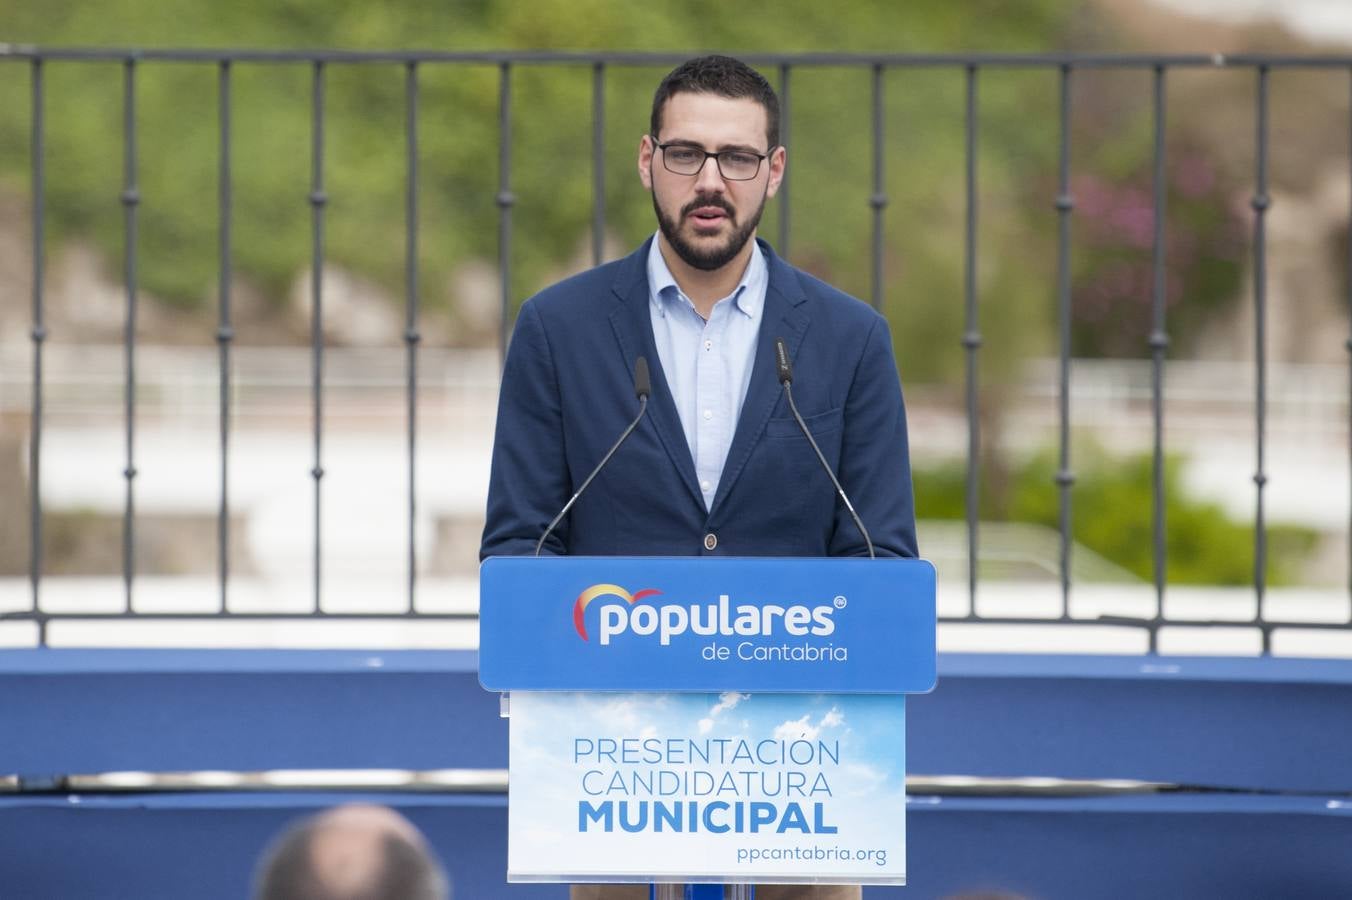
(840, 601)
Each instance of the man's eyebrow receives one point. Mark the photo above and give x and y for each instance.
(722, 148)
(745, 148)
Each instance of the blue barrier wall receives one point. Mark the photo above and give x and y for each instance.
(1274, 733)
(161, 847)
(1241, 723)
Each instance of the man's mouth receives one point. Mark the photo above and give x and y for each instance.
(708, 216)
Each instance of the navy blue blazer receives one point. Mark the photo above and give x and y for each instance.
(568, 393)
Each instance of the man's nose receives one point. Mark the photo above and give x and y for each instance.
(709, 178)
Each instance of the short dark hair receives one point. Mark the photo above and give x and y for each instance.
(724, 76)
(406, 871)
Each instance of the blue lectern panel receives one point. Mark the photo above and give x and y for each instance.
(683, 624)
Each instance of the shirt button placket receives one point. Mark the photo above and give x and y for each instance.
(707, 390)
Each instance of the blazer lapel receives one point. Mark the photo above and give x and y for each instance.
(634, 329)
(782, 317)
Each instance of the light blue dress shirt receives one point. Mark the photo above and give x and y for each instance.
(707, 364)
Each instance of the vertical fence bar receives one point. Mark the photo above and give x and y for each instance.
(783, 195)
(1348, 345)
(131, 198)
(225, 332)
(971, 342)
(505, 201)
(412, 336)
(1065, 204)
(1261, 202)
(1159, 344)
(38, 150)
(598, 163)
(318, 199)
(878, 200)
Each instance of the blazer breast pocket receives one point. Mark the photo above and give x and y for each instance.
(820, 424)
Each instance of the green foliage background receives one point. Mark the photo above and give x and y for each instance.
(830, 171)
(1112, 513)
(830, 145)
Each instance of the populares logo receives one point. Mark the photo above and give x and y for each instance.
(602, 590)
(674, 619)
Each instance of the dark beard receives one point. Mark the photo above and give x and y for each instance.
(714, 257)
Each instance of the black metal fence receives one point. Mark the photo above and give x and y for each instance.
(974, 68)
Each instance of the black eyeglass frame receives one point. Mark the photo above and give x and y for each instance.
(760, 159)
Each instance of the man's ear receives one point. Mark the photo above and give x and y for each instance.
(778, 159)
(645, 161)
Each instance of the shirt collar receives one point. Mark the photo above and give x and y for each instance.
(749, 294)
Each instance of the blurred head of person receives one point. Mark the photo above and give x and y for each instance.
(351, 852)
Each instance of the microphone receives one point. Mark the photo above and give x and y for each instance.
(642, 390)
(784, 370)
(642, 386)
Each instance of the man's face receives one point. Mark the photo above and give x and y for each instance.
(706, 218)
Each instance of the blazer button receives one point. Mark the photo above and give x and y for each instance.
(710, 541)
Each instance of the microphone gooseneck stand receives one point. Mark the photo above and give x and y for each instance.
(642, 390)
(785, 371)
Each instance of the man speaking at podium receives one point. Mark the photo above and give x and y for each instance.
(719, 465)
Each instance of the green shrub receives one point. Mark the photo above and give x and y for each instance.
(1112, 510)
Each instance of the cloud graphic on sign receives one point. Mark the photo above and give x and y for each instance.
(627, 713)
(797, 729)
(803, 729)
(865, 780)
(725, 702)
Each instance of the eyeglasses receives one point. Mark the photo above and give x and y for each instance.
(734, 165)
